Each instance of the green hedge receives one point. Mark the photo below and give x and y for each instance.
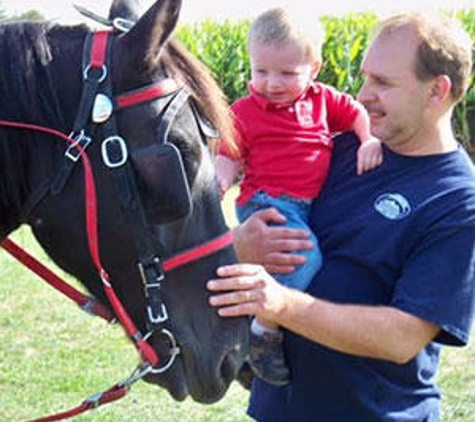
(222, 47)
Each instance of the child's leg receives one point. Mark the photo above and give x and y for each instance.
(266, 352)
(296, 213)
(303, 274)
(258, 202)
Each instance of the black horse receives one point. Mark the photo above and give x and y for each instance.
(147, 111)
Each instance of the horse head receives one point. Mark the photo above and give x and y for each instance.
(147, 132)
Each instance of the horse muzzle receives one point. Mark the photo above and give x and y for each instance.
(184, 371)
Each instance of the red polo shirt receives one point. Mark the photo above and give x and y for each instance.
(286, 149)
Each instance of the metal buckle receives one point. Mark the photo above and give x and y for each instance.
(72, 152)
(152, 275)
(161, 316)
(88, 306)
(160, 276)
(120, 161)
(94, 401)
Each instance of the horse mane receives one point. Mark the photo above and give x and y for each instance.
(23, 50)
(27, 87)
(205, 91)
(28, 94)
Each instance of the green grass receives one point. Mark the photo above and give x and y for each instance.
(52, 356)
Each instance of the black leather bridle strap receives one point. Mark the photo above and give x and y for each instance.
(170, 114)
(148, 250)
(96, 50)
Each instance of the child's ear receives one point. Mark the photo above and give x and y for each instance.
(316, 69)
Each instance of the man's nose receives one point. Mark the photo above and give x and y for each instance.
(365, 93)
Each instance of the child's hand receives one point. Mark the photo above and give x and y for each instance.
(223, 185)
(369, 156)
(226, 172)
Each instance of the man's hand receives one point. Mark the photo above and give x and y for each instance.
(247, 289)
(255, 241)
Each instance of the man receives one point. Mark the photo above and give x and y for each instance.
(398, 275)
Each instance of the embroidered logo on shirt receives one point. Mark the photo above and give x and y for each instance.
(304, 112)
(393, 206)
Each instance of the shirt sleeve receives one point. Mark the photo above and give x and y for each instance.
(342, 110)
(437, 283)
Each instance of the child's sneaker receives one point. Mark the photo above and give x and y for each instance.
(267, 358)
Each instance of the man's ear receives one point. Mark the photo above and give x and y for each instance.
(440, 89)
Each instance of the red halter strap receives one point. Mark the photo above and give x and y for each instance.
(199, 252)
(89, 304)
(98, 59)
(85, 302)
(98, 53)
(160, 89)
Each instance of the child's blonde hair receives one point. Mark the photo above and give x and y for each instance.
(280, 25)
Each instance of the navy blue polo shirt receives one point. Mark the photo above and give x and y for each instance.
(402, 235)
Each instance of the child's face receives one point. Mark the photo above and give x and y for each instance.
(280, 73)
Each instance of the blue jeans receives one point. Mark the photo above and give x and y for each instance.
(296, 213)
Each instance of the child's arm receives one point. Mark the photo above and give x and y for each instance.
(226, 172)
(370, 152)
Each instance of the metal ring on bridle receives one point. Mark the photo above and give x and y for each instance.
(174, 351)
(118, 161)
(103, 76)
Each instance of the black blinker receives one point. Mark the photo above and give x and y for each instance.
(162, 184)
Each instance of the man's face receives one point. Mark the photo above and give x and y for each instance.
(395, 99)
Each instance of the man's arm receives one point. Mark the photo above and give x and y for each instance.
(378, 332)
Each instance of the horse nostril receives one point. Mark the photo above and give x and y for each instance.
(226, 370)
(230, 366)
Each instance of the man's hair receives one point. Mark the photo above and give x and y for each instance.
(445, 48)
(280, 25)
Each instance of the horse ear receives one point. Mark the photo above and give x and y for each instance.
(126, 9)
(145, 39)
